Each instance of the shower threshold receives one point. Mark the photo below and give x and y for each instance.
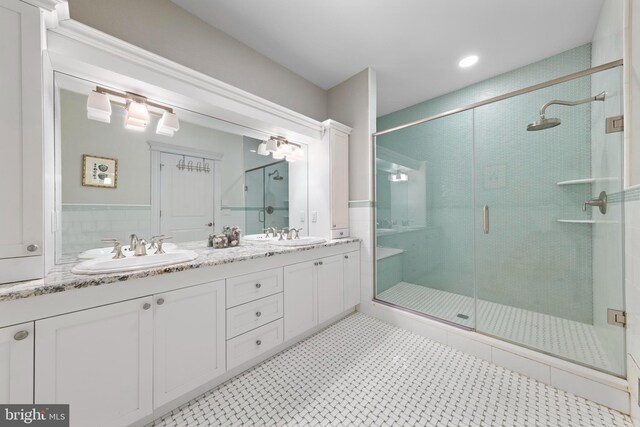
(550, 334)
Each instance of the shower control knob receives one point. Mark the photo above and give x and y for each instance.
(209, 224)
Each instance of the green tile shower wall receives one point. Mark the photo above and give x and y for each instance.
(528, 260)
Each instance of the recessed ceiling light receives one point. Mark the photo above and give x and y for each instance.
(468, 61)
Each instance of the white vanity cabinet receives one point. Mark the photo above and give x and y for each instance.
(329, 203)
(99, 361)
(314, 291)
(21, 178)
(16, 364)
(189, 339)
(351, 279)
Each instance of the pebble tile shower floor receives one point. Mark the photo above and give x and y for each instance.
(362, 371)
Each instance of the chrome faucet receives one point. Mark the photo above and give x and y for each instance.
(600, 202)
(117, 248)
(141, 248)
(293, 230)
(270, 230)
(134, 243)
(283, 232)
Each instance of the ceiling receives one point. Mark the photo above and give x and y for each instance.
(413, 45)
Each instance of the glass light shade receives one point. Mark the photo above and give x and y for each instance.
(277, 155)
(262, 149)
(137, 116)
(168, 124)
(291, 158)
(298, 153)
(398, 177)
(285, 148)
(99, 107)
(272, 145)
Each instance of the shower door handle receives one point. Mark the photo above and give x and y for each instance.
(260, 216)
(485, 219)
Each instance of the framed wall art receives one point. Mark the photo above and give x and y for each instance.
(99, 172)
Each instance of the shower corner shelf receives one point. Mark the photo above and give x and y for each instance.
(586, 221)
(587, 181)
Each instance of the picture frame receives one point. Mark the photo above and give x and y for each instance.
(100, 172)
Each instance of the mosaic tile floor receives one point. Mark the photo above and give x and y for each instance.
(567, 338)
(361, 371)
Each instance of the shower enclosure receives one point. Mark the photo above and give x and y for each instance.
(487, 225)
(266, 194)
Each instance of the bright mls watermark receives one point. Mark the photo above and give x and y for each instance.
(34, 415)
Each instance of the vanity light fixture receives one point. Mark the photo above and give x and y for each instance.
(468, 61)
(137, 116)
(277, 155)
(99, 107)
(271, 145)
(168, 124)
(398, 177)
(262, 149)
(138, 110)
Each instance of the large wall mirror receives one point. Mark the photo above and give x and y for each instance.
(116, 180)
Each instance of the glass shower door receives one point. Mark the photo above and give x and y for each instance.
(254, 201)
(547, 267)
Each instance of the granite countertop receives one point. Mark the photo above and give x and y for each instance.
(61, 279)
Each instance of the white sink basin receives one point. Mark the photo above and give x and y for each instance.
(302, 241)
(106, 265)
(126, 251)
(258, 238)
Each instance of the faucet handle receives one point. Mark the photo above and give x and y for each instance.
(154, 240)
(113, 242)
(297, 230)
(160, 241)
(283, 232)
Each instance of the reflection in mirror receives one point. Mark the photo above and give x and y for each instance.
(116, 180)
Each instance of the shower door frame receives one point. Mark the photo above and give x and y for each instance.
(263, 210)
(562, 79)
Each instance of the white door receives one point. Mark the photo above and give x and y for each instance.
(189, 344)
(351, 279)
(99, 361)
(330, 287)
(21, 205)
(16, 364)
(186, 198)
(300, 299)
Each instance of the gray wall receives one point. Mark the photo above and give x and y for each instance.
(164, 28)
(353, 103)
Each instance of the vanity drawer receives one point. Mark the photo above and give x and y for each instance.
(251, 287)
(247, 346)
(253, 314)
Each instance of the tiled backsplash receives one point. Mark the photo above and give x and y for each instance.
(84, 226)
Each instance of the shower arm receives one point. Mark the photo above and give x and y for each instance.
(598, 97)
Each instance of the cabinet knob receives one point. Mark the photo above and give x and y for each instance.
(346, 257)
(258, 342)
(160, 301)
(315, 263)
(320, 263)
(258, 314)
(32, 248)
(20, 335)
(258, 285)
(146, 306)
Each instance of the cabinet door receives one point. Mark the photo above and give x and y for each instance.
(330, 287)
(21, 179)
(99, 361)
(189, 346)
(339, 180)
(351, 279)
(16, 364)
(300, 299)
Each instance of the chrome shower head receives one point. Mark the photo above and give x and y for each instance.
(543, 123)
(277, 176)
